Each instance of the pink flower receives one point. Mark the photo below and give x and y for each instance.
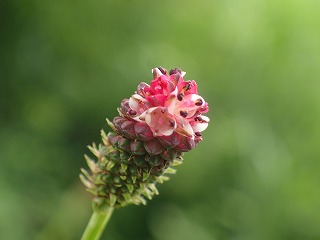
(169, 106)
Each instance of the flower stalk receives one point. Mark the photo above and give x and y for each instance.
(155, 126)
(97, 224)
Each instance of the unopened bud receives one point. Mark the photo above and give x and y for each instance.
(143, 131)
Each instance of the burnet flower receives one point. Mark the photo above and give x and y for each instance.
(155, 126)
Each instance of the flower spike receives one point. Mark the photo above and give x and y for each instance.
(159, 122)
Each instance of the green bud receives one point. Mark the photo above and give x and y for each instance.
(124, 157)
(155, 160)
(139, 160)
(147, 193)
(161, 179)
(145, 176)
(86, 174)
(126, 196)
(126, 171)
(90, 163)
(94, 150)
(177, 162)
(170, 170)
(87, 183)
(124, 167)
(154, 189)
(134, 178)
(113, 199)
(130, 187)
(137, 148)
(124, 144)
(114, 156)
(110, 165)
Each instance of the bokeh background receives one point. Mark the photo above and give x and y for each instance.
(66, 65)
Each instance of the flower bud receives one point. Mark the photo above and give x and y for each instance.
(170, 141)
(128, 129)
(137, 148)
(153, 147)
(124, 144)
(143, 131)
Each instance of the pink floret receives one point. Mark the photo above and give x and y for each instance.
(169, 106)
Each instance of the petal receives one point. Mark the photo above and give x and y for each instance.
(135, 100)
(192, 99)
(138, 103)
(190, 104)
(171, 101)
(188, 87)
(165, 131)
(156, 72)
(160, 121)
(199, 126)
(157, 100)
(159, 84)
(205, 118)
(186, 130)
(142, 89)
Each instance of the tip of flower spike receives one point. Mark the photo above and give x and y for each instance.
(157, 72)
(167, 106)
(177, 71)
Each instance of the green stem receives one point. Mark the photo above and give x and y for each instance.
(97, 223)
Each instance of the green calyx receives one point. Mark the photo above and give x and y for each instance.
(126, 170)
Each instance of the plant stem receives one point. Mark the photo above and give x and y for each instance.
(97, 223)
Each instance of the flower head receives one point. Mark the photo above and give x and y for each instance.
(156, 125)
(168, 106)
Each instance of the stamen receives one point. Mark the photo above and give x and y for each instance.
(171, 123)
(198, 118)
(175, 71)
(187, 86)
(180, 96)
(183, 113)
(198, 102)
(198, 134)
(162, 70)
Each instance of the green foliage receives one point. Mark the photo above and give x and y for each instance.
(66, 65)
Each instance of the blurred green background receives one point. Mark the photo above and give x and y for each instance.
(66, 65)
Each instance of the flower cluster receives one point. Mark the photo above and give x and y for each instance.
(169, 109)
(155, 126)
